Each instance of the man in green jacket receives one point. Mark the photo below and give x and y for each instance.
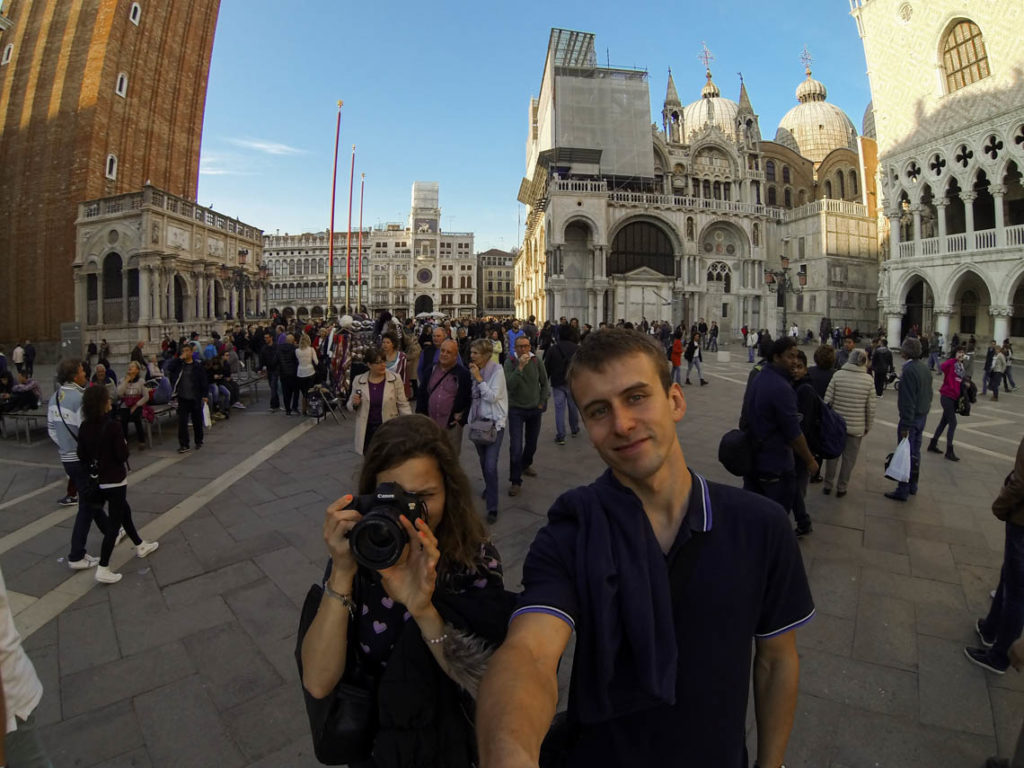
(915, 399)
(528, 391)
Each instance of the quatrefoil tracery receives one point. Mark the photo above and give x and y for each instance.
(964, 155)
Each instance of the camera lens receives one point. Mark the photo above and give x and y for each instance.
(378, 539)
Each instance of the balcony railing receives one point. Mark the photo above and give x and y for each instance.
(700, 203)
(825, 206)
(982, 240)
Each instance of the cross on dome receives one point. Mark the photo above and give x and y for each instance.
(806, 59)
(706, 56)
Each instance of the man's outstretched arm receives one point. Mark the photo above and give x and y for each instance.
(518, 696)
(776, 677)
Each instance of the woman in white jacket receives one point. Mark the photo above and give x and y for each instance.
(490, 401)
(377, 396)
(852, 393)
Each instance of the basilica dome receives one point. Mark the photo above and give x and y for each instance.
(711, 109)
(813, 128)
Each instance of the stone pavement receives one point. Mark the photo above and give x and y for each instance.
(188, 661)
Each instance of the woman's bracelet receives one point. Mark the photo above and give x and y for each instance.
(435, 640)
(345, 600)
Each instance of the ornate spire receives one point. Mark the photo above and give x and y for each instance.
(671, 95)
(810, 89)
(710, 90)
(745, 105)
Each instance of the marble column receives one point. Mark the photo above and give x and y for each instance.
(894, 233)
(81, 298)
(941, 317)
(894, 325)
(916, 210)
(201, 293)
(144, 296)
(124, 294)
(940, 213)
(998, 191)
(1000, 322)
(969, 198)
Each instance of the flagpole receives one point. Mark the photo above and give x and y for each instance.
(348, 241)
(330, 245)
(359, 274)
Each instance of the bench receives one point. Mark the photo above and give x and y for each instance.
(249, 381)
(30, 420)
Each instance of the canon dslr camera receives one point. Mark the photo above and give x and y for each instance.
(378, 539)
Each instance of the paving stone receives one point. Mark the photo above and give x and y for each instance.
(983, 556)
(913, 589)
(869, 558)
(231, 666)
(941, 621)
(182, 727)
(951, 536)
(885, 632)
(885, 534)
(209, 584)
(174, 562)
(123, 679)
(1008, 711)
(302, 497)
(136, 758)
(859, 684)
(978, 583)
(291, 572)
(270, 722)
(52, 543)
(263, 609)
(932, 560)
(221, 553)
(140, 631)
(835, 586)
(298, 754)
(40, 578)
(969, 709)
(46, 660)
(42, 637)
(87, 638)
(867, 739)
(831, 634)
(95, 736)
(814, 725)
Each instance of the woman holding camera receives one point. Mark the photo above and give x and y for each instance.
(102, 439)
(418, 633)
(490, 404)
(377, 396)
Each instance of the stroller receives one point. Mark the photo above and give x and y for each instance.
(322, 401)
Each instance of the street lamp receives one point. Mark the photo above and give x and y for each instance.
(242, 281)
(779, 280)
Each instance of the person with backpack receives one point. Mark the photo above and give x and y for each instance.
(694, 358)
(851, 394)
(953, 373)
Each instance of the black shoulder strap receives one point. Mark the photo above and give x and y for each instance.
(74, 435)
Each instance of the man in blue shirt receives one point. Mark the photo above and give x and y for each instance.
(770, 414)
(666, 578)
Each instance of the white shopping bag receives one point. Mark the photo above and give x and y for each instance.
(208, 421)
(899, 467)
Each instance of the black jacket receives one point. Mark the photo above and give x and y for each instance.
(463, 398)
(556, 361)
(199, 381)
(104, 440)
(268, 358)
(287, 362)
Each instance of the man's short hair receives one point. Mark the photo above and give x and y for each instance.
(781, 346)
(825, 356)
(605, 345)
(68, 369)
(911, 348)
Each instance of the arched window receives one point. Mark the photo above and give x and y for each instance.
(641, 244)
(964, 58)
(121, 89)
(111, 169)
(842, 185)
(853, 183)
(785, 174)
(707, 189)
(719, 272)
(771, 196)
(756, 235)
(769, 170)
(718, 190)
(828, 190)
(787, 197)
(8, 51)
(135, 13)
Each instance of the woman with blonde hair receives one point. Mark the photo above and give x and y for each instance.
(489, 407)
(377, 396)
(307, 369)
(132, 394)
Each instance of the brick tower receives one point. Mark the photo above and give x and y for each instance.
(97, 98)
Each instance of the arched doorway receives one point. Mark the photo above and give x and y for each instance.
(919, 302)
(575, 264)
(113, 289)
(641, 265)
(424, 303)
(179, 298)
(971, 301)
(641, 244)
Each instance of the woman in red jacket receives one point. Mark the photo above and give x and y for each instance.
(102, 439)
(677, 357)
(953, 374)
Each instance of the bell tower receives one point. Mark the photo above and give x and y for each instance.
(672, 113)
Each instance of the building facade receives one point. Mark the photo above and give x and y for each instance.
(627, 221)
(97, 99)
(149, 263)
(950, 132)
(406, 270)
(495, 296)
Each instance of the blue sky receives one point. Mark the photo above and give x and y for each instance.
(439, 92)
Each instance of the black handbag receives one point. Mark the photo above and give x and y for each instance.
(343, 724)
(89, 490)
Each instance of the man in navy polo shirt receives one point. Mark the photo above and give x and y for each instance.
(770, 413)
(666, 578)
